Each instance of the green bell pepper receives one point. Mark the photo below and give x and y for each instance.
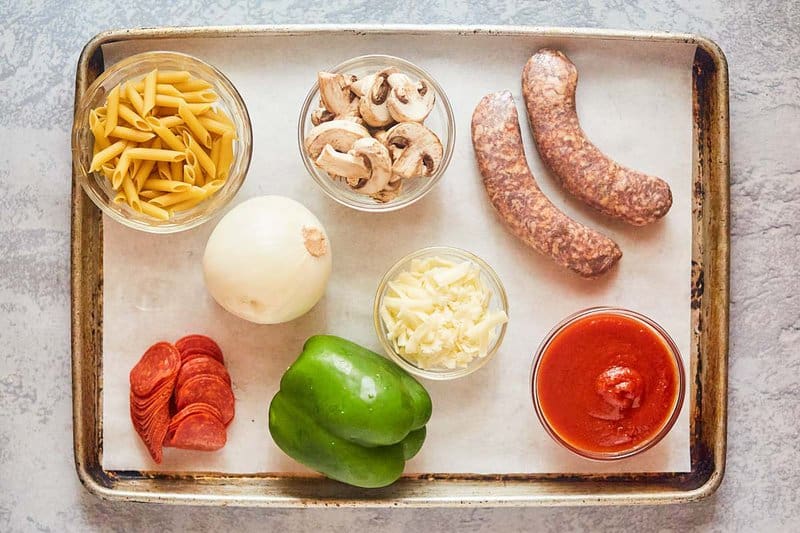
(349, 413)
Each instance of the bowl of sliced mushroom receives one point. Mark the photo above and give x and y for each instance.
(376, 132)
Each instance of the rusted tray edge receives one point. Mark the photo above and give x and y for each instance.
(710, 401)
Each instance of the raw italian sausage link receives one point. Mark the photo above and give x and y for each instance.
(548, 85)
(515, 195)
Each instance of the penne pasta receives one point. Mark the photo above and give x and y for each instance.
(196, 175)
(150, 194)
(202, 157)
(200, 133)
(108, 170)
(219, 116)
(129, 134)
(213, 186)
(129, 115)
(165, 134)
(192, 85)
(121, 170)
(97, 127)
(173, 76)
(112, 110)
(187, 204)
(145, 168)
(189, 175)
(173, 198)
(203, 97)
(225, 155)
(154, 211)
(169, 101)
(164, 172)
(131, 195)
(166, 186)
(156, 154)
(120, 198)
(176, 170)
(214, 154)
(107, 154)
(135, 99)
(149, 97)
(214, 126)
(171, 121)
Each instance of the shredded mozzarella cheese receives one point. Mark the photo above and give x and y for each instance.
(437, 314)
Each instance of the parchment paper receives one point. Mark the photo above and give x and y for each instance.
(634, 100)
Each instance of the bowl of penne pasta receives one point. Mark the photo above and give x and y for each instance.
(162, 141)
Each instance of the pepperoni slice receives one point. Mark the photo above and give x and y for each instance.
(208, 389)
(159, 364)
(152, 423)
(201, 365)
(198, 431)
(199, 344)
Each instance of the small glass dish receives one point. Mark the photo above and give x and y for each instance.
(675, 408)
(441, 121)
(498, 301)
(99, 189)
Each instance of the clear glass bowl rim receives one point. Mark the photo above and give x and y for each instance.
(439, 375)
(628, 313)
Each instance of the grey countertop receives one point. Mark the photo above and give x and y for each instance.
(39, 47)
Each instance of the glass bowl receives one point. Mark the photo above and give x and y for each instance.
(440, 121)
(498, 301)
(97, 186)
(676, 408)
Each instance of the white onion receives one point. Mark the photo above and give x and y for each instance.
(268, 260)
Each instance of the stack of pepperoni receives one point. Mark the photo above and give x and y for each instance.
(181, 396)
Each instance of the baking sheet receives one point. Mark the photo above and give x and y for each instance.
(634, 100)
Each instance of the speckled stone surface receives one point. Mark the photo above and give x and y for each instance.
(39, 45)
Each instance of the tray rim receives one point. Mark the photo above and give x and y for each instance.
(714, 307)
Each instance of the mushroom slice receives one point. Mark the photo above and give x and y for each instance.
(391, 192)
(362, 86)
(340, 134)
(420, 150)
(334, 90)
(347, 166)
(372, 105)
(409, 101)
(320, 115)
(377, 158)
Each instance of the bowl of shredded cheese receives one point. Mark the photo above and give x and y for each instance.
(441, 313)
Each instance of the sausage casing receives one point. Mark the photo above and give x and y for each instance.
(524, 208)
(548, 86)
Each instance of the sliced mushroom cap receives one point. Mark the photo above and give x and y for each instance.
(320, 115)
(372, 105)
(421, 150)
(377, 158)
(340, 134)
(343, 165)
(409, 101)
(334, 91)
(361, 86)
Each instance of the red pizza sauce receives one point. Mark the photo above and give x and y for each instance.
(608, 383)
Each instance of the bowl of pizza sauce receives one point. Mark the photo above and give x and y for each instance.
(608, 383)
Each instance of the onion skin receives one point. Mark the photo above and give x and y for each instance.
(268, 260)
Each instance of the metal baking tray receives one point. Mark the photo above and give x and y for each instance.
(709, 340)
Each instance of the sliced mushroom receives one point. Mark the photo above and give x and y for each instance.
(376, 156)
(420, 150)
(320, 115)
(334, 90)
(372, 105)
(380, 135)
(362, 86)
(340, 134)
(409, 101)
(344, 165)
(391, 192)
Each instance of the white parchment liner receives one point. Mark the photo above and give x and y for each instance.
(634, 100)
